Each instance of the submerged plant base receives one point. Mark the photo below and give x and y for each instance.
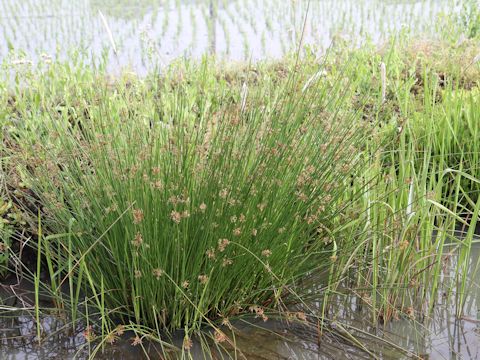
(438, 334)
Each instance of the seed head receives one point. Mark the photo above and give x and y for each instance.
(410, 312)
(211, 253)
(311, 219)
(176, 216)
(259, 312)
(110, 338)
(203, 279)
(226, 262)
(158, 273)
(219, 336)
(136, 341)
(222, 244)
(301, 316)
(88, 334)
(403, 245)
(158, 185)
(138, 241)
(302, 197)
(187, 343)
(266, 253)
(137, 216)
(226, 322)
(120, 330)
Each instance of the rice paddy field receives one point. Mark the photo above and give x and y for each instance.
(148, 33)
(239, 179)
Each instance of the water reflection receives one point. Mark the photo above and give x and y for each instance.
(442, 335)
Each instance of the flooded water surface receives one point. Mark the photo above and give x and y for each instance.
(144, 33)
(447, 333)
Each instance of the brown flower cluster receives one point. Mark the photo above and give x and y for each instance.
(157, 273)
(259, 312)
(137, 216)
(222, 244)
(203, 279)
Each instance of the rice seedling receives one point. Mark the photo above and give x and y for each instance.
(45, 26)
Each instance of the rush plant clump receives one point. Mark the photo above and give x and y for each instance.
(190, 216)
